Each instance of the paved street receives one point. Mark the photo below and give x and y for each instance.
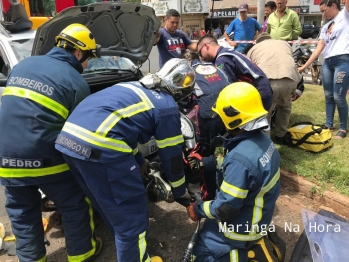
(170, 228)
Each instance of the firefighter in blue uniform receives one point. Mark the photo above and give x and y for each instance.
(248, 181)
(210, 81)
(41, 92)
(238, 67)
(99, 142)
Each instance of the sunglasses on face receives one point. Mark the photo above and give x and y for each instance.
(199, 52)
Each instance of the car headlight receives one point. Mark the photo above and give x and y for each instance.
(186, 127)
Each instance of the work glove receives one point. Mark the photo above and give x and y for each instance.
(195, 161)
(184, 200)
(191, 212)
(145, 168)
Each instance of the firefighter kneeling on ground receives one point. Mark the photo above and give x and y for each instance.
(248, 181)
(99, 142)
(41, 92)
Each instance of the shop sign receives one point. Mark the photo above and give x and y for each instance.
(300, 9)
(195, 6)
(161, 7)
(192, 24)
(232, 12)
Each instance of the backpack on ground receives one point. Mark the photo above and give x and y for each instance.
(309, 137)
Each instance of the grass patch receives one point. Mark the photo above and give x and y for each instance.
(330, 169)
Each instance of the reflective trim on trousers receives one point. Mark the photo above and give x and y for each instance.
(83, 257)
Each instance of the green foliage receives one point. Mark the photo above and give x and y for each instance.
(49, 7)
(330, 169)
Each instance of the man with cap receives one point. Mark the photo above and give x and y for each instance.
(283, 81)
(244, 28)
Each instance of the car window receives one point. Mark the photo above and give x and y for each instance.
(105, 63)
(22, 48)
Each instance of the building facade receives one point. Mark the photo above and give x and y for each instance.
(193, 12)
(197, 14)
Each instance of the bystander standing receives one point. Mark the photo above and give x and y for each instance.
(283, 24)
(244, 28)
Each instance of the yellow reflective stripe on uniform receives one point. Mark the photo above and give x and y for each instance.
(142, 245)
(234, 256)
(233, 190)
(241, 237)
(178, 183)
(259, 201)
(117, 115)
(135, 151)
(140, 93)
(207, 211)
(95, 139)
(83, 257)
(129, 111)
(171, 141)
(32, 172)
(43, 259)
(38, 98)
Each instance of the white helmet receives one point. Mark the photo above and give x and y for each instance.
(177, 77)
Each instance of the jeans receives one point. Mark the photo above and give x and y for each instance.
(335, 72)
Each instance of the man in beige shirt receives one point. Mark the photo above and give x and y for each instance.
(275, 59)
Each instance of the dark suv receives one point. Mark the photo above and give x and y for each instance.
(309, 30)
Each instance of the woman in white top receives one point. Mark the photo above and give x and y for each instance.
(334, 40)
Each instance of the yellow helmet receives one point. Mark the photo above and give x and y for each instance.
(238, 104)
(78, 36)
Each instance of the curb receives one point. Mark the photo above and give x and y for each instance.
(338, 203)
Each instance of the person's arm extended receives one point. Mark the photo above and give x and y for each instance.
(258, 29)
(257, 33)
(319, 48)
(192, 47)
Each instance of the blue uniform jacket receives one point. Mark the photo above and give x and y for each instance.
(238, 67)
(248, 182)
(109, 125)
(41, 92)
(210, 81)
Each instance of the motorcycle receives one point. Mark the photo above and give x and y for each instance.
(301, 54)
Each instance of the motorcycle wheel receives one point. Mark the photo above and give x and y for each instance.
(315, 75)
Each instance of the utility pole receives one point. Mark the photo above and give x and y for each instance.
(260, 11)
(181, 13)
(211, 26)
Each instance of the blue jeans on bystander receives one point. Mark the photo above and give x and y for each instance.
(335, 72)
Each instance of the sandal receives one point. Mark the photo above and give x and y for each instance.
(341, 134)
